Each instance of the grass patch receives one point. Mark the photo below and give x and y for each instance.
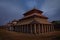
(8, 35)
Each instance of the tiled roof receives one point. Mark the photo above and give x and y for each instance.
(33, 11)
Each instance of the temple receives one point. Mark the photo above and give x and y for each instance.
(32, 22)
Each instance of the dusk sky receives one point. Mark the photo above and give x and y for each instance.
(14, 9)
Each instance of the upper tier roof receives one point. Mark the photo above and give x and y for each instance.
(33, 11)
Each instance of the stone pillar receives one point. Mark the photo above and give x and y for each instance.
(19, 28)
(27, 28)
(51, 28)
(42, 28)
(48, 28)
(35, 28)
(31, 27)
(45, 28)
(39, 28)
(22, 27)
(13, 28)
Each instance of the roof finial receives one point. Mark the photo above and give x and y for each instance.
(35, 6)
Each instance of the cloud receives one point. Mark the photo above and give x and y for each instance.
(50, 8)
(31, 3)
(13, 9)
(9, 11)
